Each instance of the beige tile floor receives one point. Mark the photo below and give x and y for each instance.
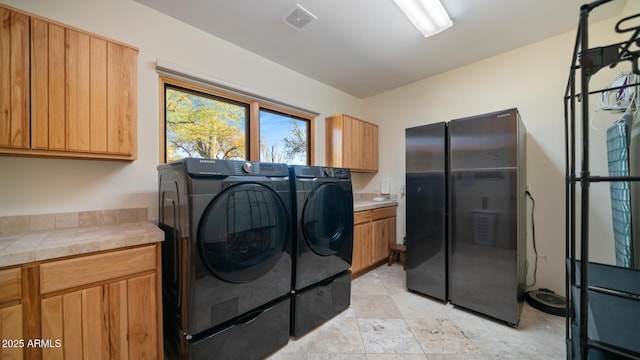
(385, 321)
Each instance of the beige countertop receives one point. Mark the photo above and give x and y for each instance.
(362, 205)
(52, 236)
(364, 201)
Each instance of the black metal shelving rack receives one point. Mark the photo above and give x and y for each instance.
(603, 318)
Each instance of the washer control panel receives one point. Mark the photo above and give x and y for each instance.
(215, 167)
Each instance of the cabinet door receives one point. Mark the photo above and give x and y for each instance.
(142, 317)
(14, 79)
(362, 250)
(78, 76)
(370, 147)
(98, 100)
(116, 320)
(384, 234)
(380, 236)
(122, 95)
(361, 145)
(11, 331)
(47, 85)
(333, 135)
(102, 120)
(392, 230)
(80, 320)
(353, 143)
(133, 318)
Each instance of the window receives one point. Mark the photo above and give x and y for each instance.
(283, 138)
(204, 126)
(203, 122)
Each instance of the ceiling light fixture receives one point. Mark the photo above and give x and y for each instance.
(429, 16)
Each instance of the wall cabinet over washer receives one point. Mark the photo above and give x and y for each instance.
(65, 92)
(351, 143)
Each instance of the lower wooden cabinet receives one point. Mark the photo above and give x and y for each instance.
(111, 321)
(11, 333)
(362, 231)
(100, 306)
(384, 232)
(11, 329)
(373, 232)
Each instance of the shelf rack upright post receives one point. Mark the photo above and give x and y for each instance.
(603, 307)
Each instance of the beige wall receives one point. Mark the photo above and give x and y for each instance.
(33, 186)
(533, 79)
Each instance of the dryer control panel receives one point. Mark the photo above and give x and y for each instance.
(321, 171)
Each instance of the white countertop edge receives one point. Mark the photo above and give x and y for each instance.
(363, 205)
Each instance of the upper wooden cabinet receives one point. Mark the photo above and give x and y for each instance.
(351, 143)
(68, 93)
(14, 79)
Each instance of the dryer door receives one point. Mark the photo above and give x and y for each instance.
(327, 219)
(243, 232)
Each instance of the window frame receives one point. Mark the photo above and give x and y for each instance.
(252, 123)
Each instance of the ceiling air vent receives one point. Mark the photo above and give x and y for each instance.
(298, 17)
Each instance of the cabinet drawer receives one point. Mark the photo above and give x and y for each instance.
(383, 213)
(64, 274)
(10, 284)
(361, 217)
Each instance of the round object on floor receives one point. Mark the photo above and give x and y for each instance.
(547, 301)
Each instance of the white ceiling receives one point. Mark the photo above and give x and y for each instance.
(365, 47)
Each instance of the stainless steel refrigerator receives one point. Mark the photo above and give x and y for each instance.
(466, 212)
(427, 183)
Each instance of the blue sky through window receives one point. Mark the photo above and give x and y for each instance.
(274, 128)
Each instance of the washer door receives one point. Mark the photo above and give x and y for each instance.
(243, 232)
(325, 219)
